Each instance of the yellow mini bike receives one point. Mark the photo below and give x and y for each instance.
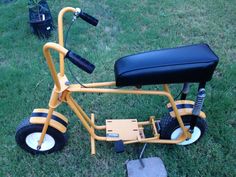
(44, 131)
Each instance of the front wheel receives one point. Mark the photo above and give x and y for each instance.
(28, 135)
(170, 129)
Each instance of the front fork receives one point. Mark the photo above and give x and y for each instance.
(55, 101)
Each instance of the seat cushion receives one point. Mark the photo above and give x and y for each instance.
(194, 63)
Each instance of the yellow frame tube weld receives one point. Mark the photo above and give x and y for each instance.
(60, 35)
(48, 57)
(82, 119)
(93, 148)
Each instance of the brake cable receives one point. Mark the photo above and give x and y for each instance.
(68, 65)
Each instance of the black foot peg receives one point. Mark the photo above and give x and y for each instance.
(158, 127)
(119, 146)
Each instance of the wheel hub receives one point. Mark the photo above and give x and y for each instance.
(32, 141)
(195, 135)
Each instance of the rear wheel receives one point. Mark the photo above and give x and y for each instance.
(28, 135)
(170, 129)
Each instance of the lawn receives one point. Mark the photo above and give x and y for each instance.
(125, 27)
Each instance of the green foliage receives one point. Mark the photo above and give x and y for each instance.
(125, 27)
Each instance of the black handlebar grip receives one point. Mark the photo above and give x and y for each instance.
(88, 18)
(80, 62)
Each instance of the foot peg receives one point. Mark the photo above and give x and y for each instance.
(158, 127)
(119, 146)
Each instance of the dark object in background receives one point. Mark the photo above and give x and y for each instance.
(40, 18)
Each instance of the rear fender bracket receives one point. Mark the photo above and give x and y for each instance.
(58, 121)
(185, 107)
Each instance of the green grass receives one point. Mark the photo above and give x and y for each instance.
(125, 27)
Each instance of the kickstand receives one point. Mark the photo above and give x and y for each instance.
(141, 155)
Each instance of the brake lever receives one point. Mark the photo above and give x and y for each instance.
(86, 17)
(76, 14)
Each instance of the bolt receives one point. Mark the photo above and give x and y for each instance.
(67, 83)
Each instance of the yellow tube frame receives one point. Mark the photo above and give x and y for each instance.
(62, 93)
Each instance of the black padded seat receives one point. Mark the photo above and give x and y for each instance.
(194, 63)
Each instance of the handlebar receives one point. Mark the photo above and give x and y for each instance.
(82, 63)
(86, 17)
(77, 13)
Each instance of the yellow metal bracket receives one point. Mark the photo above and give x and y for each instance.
(122, 129)
(154, 129)
(93, 146)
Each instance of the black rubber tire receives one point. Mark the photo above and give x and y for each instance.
(169, 124)
(25, 128)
